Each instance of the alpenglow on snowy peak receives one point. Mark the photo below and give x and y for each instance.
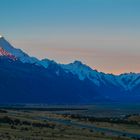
(19, 54)
(7, 54)
(126, 82)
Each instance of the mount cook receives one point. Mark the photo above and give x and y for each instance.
(25, 79)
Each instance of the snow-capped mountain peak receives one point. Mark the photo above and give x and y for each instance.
(82, 71)
(130, 80)
(46, 62)
(5, 45)
(78, 63)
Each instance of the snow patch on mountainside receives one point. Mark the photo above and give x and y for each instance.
(130, 80)
(124, 81)
(16, 52)
(46, 62)
(83, 71)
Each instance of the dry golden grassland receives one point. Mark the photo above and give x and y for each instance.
(26, 125)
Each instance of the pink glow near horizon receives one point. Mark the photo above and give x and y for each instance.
(108, 60)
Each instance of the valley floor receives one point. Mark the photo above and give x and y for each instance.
(51, 124)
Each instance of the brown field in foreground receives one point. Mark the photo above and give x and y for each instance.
(47, 125)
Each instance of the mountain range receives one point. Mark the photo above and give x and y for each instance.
(25, 79)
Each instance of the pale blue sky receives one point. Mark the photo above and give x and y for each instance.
(105, 34)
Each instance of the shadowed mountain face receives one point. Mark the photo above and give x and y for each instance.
(25, 79)
(28, 83)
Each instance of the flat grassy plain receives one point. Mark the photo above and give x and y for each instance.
(65, 124)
